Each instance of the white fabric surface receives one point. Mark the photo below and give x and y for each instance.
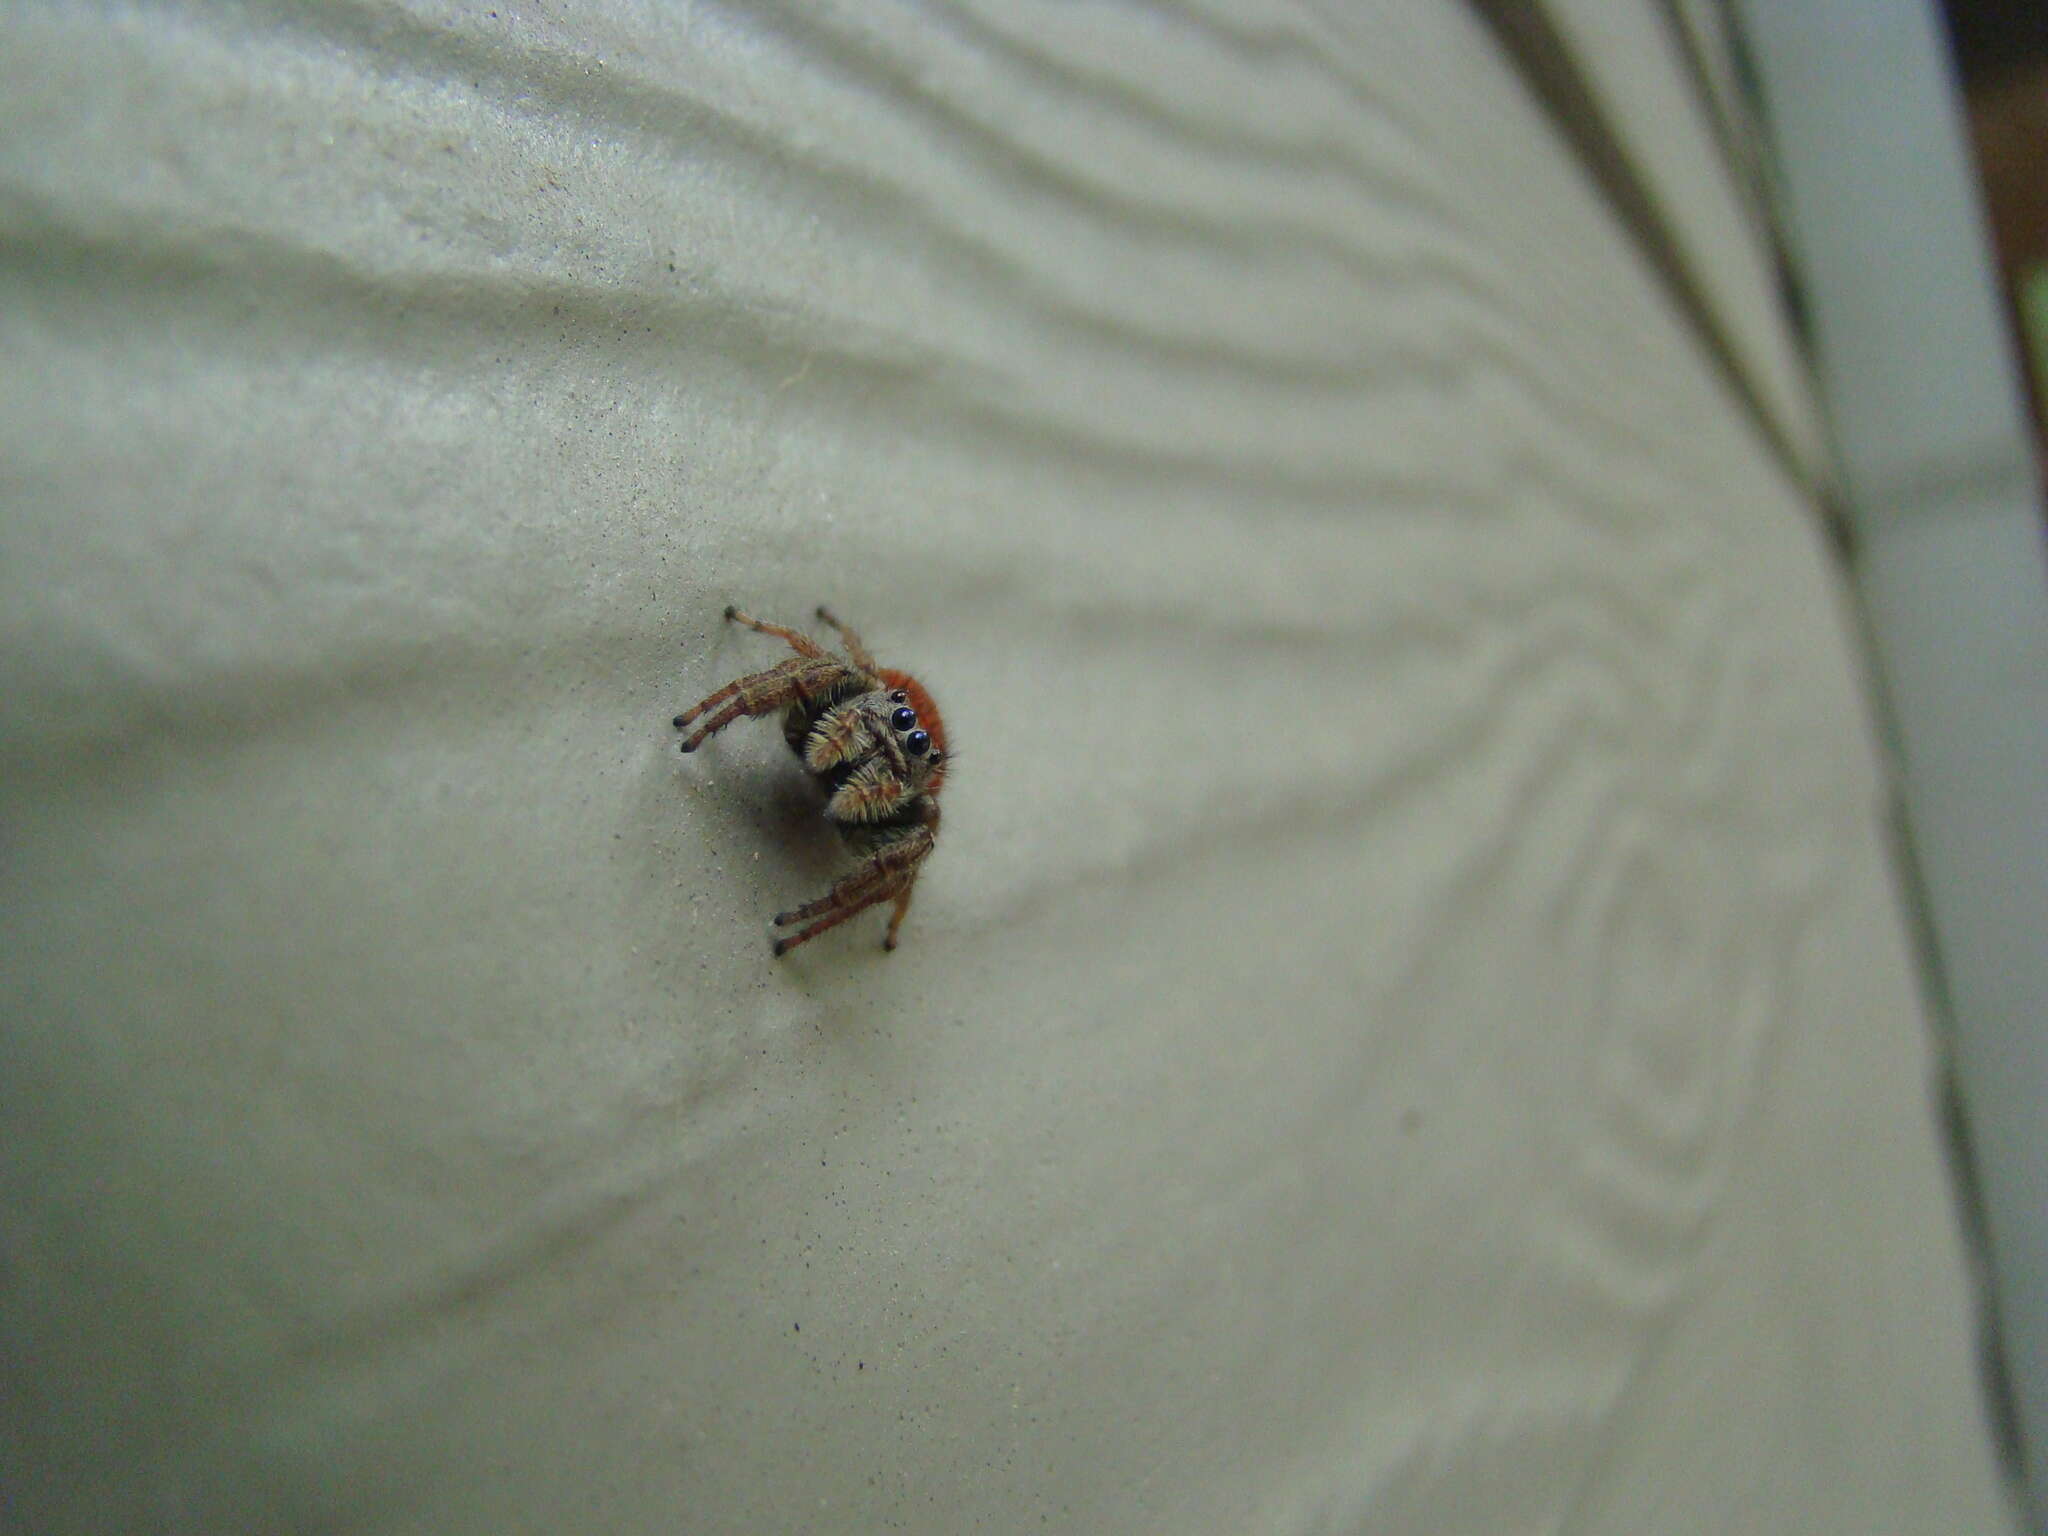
(1408, 1026)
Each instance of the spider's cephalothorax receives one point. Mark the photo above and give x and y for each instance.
(874, 737)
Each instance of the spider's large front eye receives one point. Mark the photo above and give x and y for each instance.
(916, 742)
(903, 719)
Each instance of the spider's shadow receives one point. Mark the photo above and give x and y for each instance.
(789, 815)
(751, 804)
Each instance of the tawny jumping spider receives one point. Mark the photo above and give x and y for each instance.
(874, 736)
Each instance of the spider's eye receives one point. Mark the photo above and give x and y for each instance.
(903, 719)
(916, 742)
(898, 697)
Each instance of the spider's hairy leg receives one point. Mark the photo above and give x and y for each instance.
(891, 871)
(863, 888)
(714, 700)
(753, 682)
(784, 943)
(762, 693)
(850, 640)
(916, 845)
(902, 911)
(799, 642)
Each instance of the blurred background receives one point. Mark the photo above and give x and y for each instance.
(2001, 54)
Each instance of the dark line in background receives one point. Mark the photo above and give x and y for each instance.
(1738, 140)
(1758, 167)
(1746, 147)
(1536, 49)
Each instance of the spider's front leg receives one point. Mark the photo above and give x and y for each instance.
(801, 678)
(891, 871)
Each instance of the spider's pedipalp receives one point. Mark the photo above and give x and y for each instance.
(872, 793)
(834, 739)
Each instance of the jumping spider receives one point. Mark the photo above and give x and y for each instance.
(874, 736)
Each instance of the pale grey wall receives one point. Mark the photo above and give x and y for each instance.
(1408, 1027)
